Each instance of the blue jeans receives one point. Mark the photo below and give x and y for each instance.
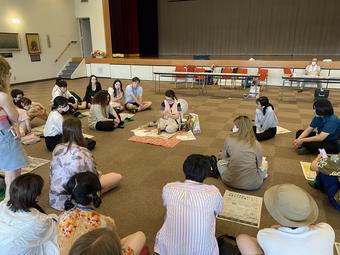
(329, 185)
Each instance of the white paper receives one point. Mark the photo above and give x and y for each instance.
(151, 132)
(337, 247)
(241, 208)
(187, 136)
(281, 130)
(309, 175)
(33, 164)
(125, 115)
(88, 136)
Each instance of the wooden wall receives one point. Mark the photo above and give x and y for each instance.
(249, 27)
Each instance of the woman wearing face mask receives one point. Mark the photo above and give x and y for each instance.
(92, 88)
(53, 130)
(327, 126)
(242, 166)
(265, 120)
(171, 113)
(117, 95)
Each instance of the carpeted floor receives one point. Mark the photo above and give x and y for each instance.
(137, 204)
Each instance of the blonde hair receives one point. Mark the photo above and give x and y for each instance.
(245, 130)
(4, 72)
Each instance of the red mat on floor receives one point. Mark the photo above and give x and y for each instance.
(168, 143)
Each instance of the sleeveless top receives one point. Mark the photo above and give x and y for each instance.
(4, 123)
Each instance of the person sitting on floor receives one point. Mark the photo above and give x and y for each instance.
(117, 95)
(189, 226)
(133, 97)
(102, 116)
(295, 210)
(92, 88)
(23, 228)
(36, 110)
(328, 177)
(24, 121)
(265, 119)
(60, 89)
(53, 130)
(80, 216)
(327, 125)
(171, 113)
(72, 157)
(243, 166)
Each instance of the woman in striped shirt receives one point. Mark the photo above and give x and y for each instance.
(189, 227)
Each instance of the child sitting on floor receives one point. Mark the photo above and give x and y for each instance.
(117, 95)
(171, 113)
(36, 110)
(23, 106)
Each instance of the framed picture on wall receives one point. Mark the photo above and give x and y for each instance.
(9, 42)
(33, 43)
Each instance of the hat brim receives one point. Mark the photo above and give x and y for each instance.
(274, 211)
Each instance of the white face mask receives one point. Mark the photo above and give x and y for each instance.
(66, 108)
(235, 129)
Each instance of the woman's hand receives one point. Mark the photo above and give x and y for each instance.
(297, 143)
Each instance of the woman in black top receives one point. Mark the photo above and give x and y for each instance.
(92, 88)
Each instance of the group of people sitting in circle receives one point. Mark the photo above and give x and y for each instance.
(189, 227)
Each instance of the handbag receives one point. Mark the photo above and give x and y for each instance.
(227, 245)
(321, 94)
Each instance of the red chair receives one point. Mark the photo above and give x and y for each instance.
(199, 78)
(242, 70)
(263, 76)
(288, 72)
(191, 68)
(180, 77)
(226, 70)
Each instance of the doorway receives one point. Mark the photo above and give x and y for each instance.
(85, 37)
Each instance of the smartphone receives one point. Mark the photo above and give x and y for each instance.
(323, 153)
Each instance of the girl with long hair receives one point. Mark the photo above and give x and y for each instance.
(102, 115)
(117, 95)
(12, 154)
(242, 166)
(72, 157)
(92, 88)
(265, 119)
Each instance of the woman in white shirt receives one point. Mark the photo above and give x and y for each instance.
(23, 229)
(53, 130)
(117, 95)
(296, 211)
(265, 119)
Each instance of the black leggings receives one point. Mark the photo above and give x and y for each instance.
(266, 135)
(331, 147)
(52, 141)
(108, 125)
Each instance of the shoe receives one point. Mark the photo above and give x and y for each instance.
(120, 125)
(303, 151)
(300, 90)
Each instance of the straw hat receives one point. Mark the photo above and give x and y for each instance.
(290, 205)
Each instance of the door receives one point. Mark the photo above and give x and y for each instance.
(85, 37)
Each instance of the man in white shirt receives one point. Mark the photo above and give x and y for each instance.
(295, 210)
(60, 89)
(189, 227)
(313, 69)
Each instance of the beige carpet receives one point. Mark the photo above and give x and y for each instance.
(137, 203)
